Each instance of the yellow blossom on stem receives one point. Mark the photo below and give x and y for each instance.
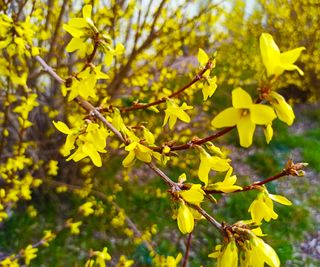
(227, 185)
(256, 252)
(102, 257)
(209, 85)
(80, 29)
(74, 226)
(86, 208)
(275, 62)
(139, 151)
(10, 261)
(166, 261)
(84, 83)
(193, 195)
(245, 115)
(124, 262)
(185, 219)
(174, 112)
(283, 109)
(262, 207)
(226, 255)
(29, 253)
(208, 162)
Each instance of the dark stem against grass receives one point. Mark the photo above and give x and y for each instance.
(291, 169)
(188, 246)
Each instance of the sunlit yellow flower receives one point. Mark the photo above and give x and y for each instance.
(74, 226)
(29, 253)
(226, 255)
(86, 208)
(139, 151)
(245, 114)
(124, 262)
(208, 162)
(185, 219)
(276, 62)
(102, 257)
(228, 184)
(80, 29)
(174, 112)
(262, 207)
(283, 109)
(193, 195)
(256, 252)
(166, 261)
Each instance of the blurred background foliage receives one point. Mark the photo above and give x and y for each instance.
(161, 40)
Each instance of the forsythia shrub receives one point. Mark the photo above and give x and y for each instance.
(90, 82)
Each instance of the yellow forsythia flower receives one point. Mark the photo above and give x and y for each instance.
(245, 115)
(185, 219)
(226, 255)
(193, 195)
(29, 253)
(276, 62)
(262, 207)
(102, 257)
(228, 184)
(174, 112)
(124, 262)
(256, 252)
(283, 109)
(208, 162)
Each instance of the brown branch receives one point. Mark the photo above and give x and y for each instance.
(209, 218)
(194, 142)
(186, 256)
(56, 30)
(198, 77)
(292, 169)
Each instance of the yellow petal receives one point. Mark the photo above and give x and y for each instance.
(291, 56)
(185, 219)
(283, 110)
(73, 31)
(270, 53)
(203, 172)
(86, 11)
(202, 57)
(62, 127)
(268, 132)
(246, 130)
(262, 114)
(240, 98)
(74, 44)
(280, 199)
(78, 23)
(194, 195)
(92, 153)
(226, 118)
(128, 159)
(230, 255)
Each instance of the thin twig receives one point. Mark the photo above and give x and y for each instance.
(212, 220)
(198, 77)
(255, 185)
(186, 256)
